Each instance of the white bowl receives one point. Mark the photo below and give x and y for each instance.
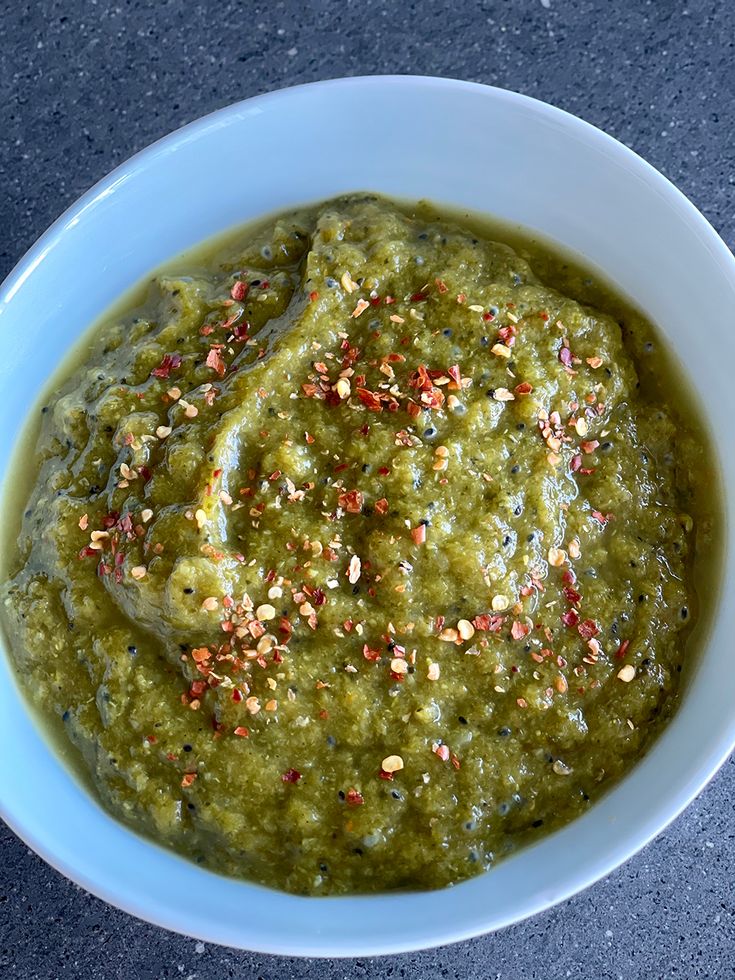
(454, 142)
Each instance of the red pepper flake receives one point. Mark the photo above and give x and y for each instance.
(169, 363)
(575, 463)
(455, 375)
(237, 694)
(383, 471)
(433, 398)
(242, 732)
(455, 761)
(87, 552)
(313, 296)
(589, 447)
(565, 356)
(385, 775)
(369, 399)
(353, 798)
(351, 501)
(518, 630)
(369, 654)
(188, 779)
(602, 518)
(570, 617)
(588, 628)
(214, 361)
(524, 388)
(571, 595)
(418, 297)
(441, 286)
(240, 290)
(622, 649)
(413, 409)
(419, 534)
(291, 776)
(490, 624)
(381, 506)
(487, 317)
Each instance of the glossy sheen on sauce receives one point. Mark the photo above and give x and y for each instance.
(358, 552)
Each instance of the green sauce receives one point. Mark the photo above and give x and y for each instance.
(358, 549)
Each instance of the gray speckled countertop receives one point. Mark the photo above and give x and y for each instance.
(85, 83)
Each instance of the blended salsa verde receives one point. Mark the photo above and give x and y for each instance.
(360, 549)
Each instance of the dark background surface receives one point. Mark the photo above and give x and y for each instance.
(85, 84)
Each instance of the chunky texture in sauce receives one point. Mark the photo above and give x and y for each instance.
(357, 555)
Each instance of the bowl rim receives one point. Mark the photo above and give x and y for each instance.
(615, 854)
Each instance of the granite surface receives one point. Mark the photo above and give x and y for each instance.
(85, 83)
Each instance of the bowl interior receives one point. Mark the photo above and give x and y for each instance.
(455, 143)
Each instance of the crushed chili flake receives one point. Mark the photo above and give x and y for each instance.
(588, 628)
(622, 649)
(381, 506)
(353, 798)
(565, 356)
(351, 501)
(169, 363)
(571, 595)
(369, 399)
(487, 623)
(419, 534)
(215, 362)
(291, 776)
(518, 630)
